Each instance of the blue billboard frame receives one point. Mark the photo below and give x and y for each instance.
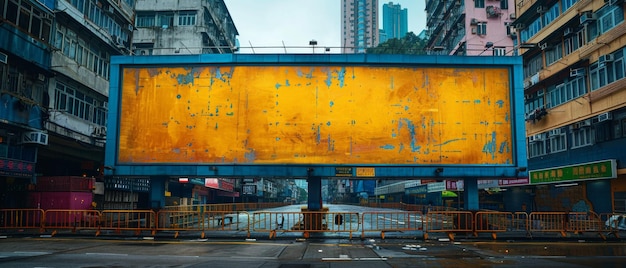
(516, 169)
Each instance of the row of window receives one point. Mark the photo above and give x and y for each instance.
(26, 17)
(608, 69)
(74, 101)
(165, 19)
(581, 134)
(504, 4)
(104, 19)
(20, 81)
(85, 53)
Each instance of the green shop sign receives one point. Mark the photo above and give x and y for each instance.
(594, 170)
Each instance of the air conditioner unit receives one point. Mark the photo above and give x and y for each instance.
(130, 27)
(587, 17)
(554, 132)
(585, 123)
(605, 58)
(543, 46)
(536, 137)
(568, 31)
(100, 131)
(3, 58)
(35, 137)
(604, 117)
(473, 21)
(576, 72)
(512, 16)
(541, 9)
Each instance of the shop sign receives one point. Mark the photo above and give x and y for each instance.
(365, 172)
(249, 189)
(435, 187)
(219, 184)
(422, 189)
(593, 170)
(343, 172)
(16, 168)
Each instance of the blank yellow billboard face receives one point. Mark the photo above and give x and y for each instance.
(316, 115)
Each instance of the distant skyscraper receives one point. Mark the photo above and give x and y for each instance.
(359, 25)
(395, 22)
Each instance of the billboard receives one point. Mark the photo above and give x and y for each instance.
(311, 114)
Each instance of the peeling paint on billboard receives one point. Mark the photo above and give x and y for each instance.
(316, 115)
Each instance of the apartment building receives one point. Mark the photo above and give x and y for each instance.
(183, 27)
(575, 102)
(470, 27)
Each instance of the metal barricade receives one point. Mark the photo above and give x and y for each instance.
(129, 220)
(583, 222)
(548, 222)
(226, 221)
(177, 221)
(449, 222)
(491, 222)
(73, 220)
(305, 222)
(21, 219)
(391, 221)
(613, 223)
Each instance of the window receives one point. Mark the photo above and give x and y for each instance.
(536, 148)
(558, 141)
(79, 50)
(27, 18)
(602, 131)
(570, 89)
(581, 137)
(187, 19)
(75, 102)
(479, 3)
(499, 51)
(619, 128)
(504, 4)
(145, 20)
(481, 28)
(553, 54)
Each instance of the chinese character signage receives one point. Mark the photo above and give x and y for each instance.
(16, 168)
(593, 170)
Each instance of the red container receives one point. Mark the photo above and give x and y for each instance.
(61, 200)
(64, 184)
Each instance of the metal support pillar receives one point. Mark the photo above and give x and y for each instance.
(157, 192)
(470, 194)
(315, 193)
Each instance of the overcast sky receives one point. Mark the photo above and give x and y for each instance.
(293, 23)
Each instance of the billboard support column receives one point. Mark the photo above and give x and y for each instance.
(157, 192)
(470, 194)
(315, 194)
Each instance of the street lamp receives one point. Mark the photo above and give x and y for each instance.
(313, 43)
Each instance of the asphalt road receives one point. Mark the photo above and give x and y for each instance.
(301, 253)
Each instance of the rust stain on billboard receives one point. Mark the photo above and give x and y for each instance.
(315, 115)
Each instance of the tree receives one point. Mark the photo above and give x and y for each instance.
(409, 44)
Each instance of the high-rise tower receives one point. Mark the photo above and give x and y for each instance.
(395, 22)
(359, 25)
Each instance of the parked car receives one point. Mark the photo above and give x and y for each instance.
(616, 222)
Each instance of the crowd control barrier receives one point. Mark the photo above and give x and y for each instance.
(369, 224)
(21, 219)
(305, 222)
(391, 221)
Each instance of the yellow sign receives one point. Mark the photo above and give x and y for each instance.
(328, 115)
(365, 172)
